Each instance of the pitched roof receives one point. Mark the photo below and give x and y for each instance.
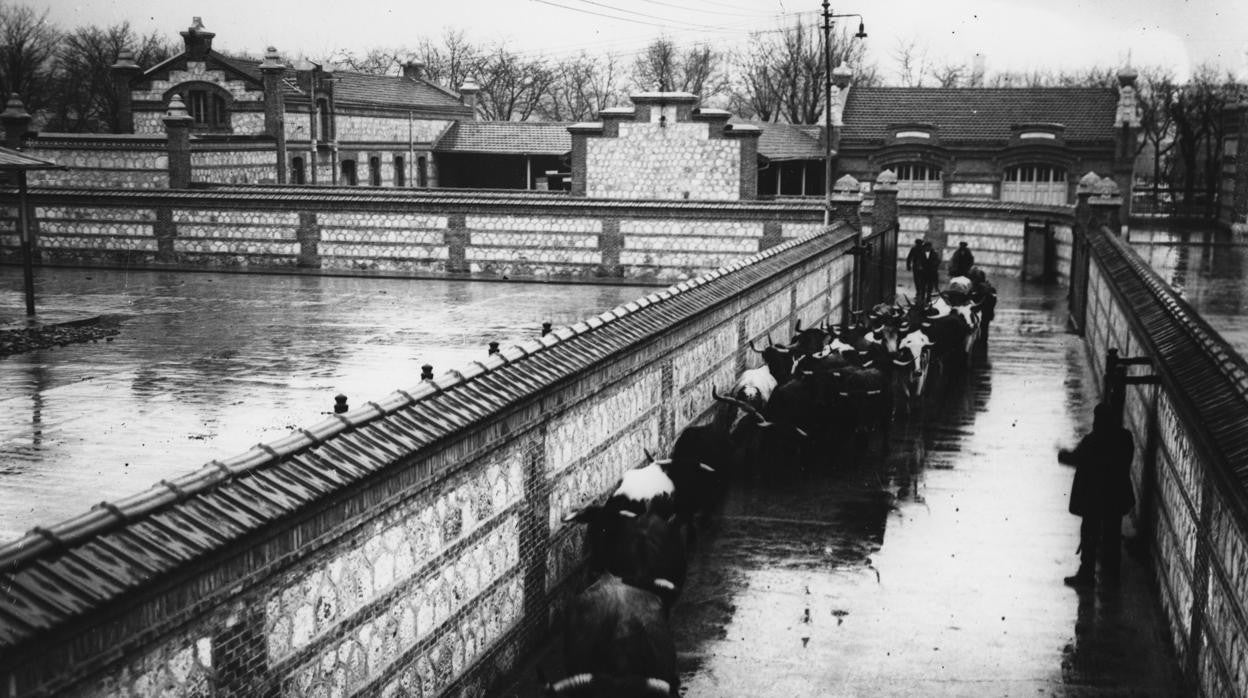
(507, 137)
(391, 91)
(789, 141)
(980, 114)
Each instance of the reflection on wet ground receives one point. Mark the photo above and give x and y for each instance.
(927, 564)
(1207, 268)
(208, 365)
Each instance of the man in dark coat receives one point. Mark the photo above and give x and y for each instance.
(914, 263)
(962, 260)
(1101, 493)
(931, 268)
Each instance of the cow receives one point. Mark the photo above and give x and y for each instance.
(634, 546)
(910, 367)
(755, 386)
(617, 641)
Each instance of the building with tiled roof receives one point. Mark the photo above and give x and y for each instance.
(1010, 144)
(504, 154)
(327, 126)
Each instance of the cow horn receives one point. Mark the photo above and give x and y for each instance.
(801, 432)
(899, 362)
(706, 467)
(627, 514)
(664, 584)
(756, 349)
(769, 342)
(658, 687)
(572, 683)
(798, 326)
(649, 455)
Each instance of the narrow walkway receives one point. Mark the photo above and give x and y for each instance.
(932, 566)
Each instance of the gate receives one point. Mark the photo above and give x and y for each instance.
(1039, 251)
(877, 260)
(1077, 298)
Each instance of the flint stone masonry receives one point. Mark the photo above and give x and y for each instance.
(413, 546)
(1195, 519)
(678, 161)
(380, 128)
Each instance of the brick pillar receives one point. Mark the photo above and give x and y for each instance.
(166, 231)
(846, 202)
(456, 240)
(610, 244)
(123, 73)
(309, 235)
(178, 130)
(16, 121)
(747, 135)
(1106, 205)
(1083, 210)
(275, 107)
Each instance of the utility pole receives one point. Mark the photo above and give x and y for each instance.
(827, 114)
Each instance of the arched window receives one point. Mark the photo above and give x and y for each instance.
(297, 172)
(207, 108)
(1036, 184)
(422, 172)
(348, 173)
(374, 171)
(918, 181)
(400, 171)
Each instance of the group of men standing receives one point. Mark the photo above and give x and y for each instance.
(924, 262)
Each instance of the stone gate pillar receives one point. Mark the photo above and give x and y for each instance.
(271, 68)
(16, 121)
(885, 225)
(178, 130)
(846, 201)
(123, 73)
(1106, 205)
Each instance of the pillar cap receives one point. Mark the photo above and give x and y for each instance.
(14, 109)
(886, 181)
(847, 189)
(272, 60)
(1087, 183)
(177, 112)
(125, 61)
(470, 86)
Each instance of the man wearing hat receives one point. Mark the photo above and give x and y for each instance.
(1101, 494)
(915, 263)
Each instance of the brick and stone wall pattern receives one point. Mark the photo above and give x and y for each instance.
(429, 592)
(357, 127)
(102, 168)
(232, 238)
(197, 71)
(677, 249)
(234, 166)
(997, 244)
(72, 235)
(1180, 480)
(543, 247)
(679, 161)
(383, 242)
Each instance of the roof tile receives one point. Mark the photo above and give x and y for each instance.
(507, 137)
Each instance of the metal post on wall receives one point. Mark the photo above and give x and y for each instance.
(28, 264)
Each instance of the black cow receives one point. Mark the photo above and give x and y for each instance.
(634, 546)
(617, 642)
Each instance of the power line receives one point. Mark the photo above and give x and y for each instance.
(643, 14)
(599, 14)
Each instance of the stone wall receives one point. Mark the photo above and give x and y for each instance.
(350, 127)
(151, 103)
(678, 161)
(428, 233)
(1192, 507)
(103, 162)
(224, 165)
(993, 231)
(414, 546)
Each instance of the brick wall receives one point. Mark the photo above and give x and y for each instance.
(677, 161)
(547, 237)
(1191, 509)
(223, 165)
(104, 162)
(414, 546)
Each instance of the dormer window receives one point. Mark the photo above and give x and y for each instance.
(1035, 183)
(916, 180)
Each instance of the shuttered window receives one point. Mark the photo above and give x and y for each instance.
(1035, 184)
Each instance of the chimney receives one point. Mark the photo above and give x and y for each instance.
(468, 95)
(198, 40)
(979, 64)
(412, 70)
(16, 122)
(123, 72)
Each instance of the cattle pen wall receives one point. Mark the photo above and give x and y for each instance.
(1191, 465)
(413, 546)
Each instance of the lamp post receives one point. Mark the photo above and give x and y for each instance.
(827, 103)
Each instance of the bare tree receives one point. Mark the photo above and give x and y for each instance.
(912, 62)
(512, 88)
(1157, 91)
(581, 87)
(27, 47)
(374, 61)
(453, 61)
(84, 95)
(665, 67)
(950, 74)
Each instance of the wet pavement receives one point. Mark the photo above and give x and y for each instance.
(207, 365)
(929, 563)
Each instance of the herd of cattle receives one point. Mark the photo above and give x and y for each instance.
(617, 639)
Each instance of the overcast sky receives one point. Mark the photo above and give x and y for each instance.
(1016, 35)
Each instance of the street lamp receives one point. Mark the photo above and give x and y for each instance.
(827, 102)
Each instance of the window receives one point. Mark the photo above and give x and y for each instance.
(422, 172)
(326, 121)
(918, 181)
(374, 171)
(400, 173)
(207, 109)
(1035, 184)
(348, 173)
(297, 173)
